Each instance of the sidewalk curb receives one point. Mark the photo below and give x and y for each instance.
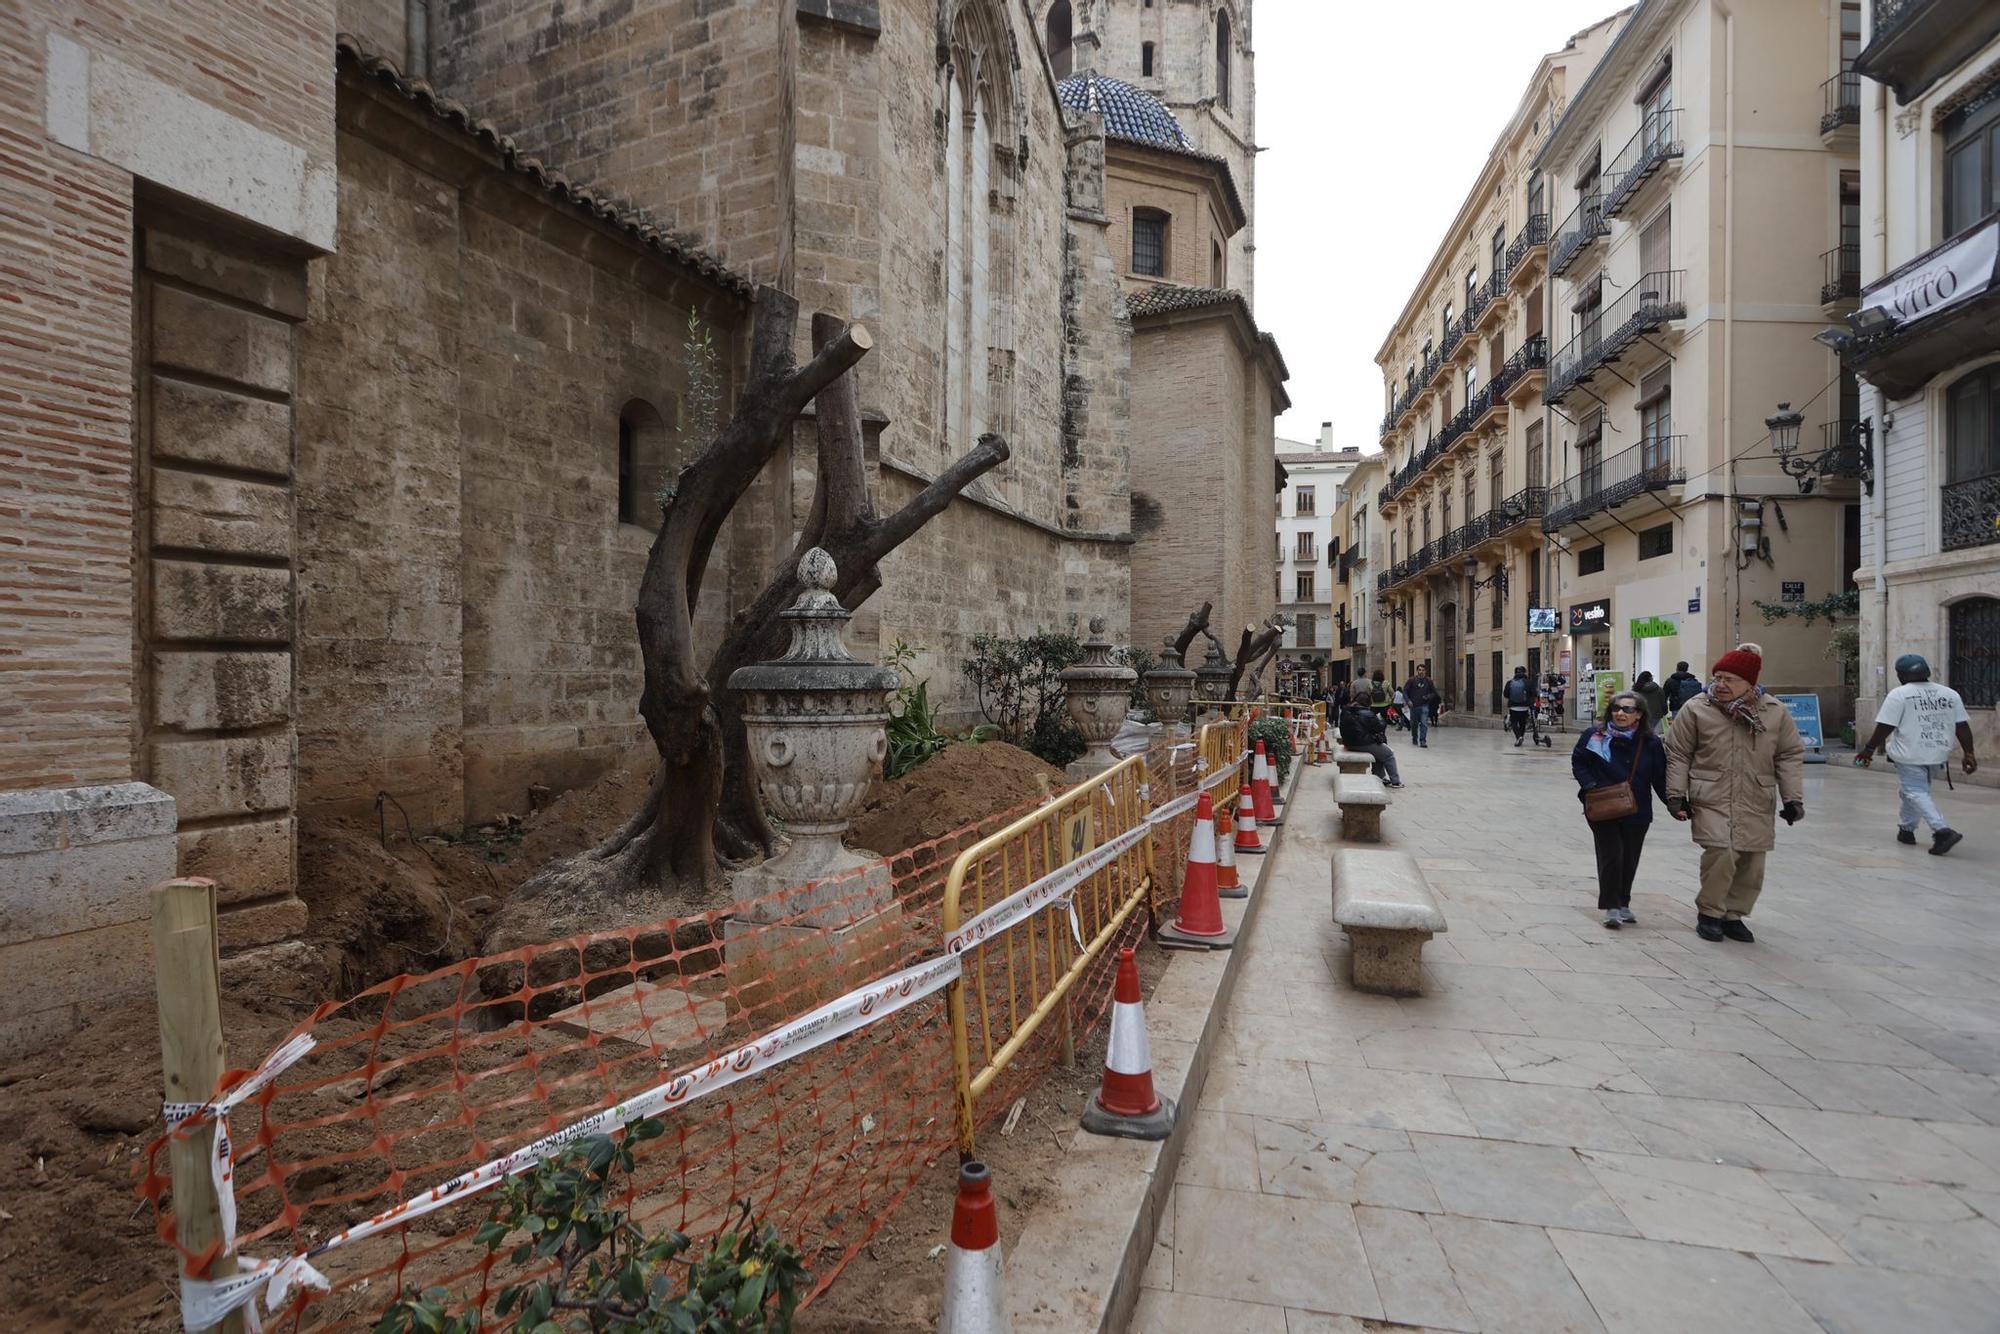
(1077, 1265)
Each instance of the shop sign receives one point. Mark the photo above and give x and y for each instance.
(1937, 281)
(1543, 621)
(1589, 618)
(1605, 685)
(1655, 627)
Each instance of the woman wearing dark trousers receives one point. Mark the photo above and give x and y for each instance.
(1621, 748)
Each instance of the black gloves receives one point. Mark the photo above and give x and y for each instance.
(1677, 806)
(1793, 812)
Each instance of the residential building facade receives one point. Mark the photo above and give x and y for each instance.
(1928, 351)
(1358, 533)
(1466, 444)
(1698, 185)
(1308, 552)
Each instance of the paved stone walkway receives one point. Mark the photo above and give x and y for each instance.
(1579, 1130)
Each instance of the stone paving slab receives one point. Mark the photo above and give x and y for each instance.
(1579, 1129)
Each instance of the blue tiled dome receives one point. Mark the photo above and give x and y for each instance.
(1128, 112)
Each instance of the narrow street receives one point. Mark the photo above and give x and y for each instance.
(1576, 1129)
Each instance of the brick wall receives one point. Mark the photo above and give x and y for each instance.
(66, 583)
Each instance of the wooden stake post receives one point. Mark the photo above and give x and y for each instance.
(190, 992)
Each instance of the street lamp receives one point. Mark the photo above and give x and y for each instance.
(1497, 579)
(1853, 457)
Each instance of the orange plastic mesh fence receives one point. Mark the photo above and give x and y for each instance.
(424, 1078)
(420, 1080)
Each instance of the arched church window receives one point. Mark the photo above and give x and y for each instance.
(980, 166)
(643, 448)
(1060, 30)
(1222, 58)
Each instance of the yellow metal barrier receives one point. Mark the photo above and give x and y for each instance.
(1016, 980)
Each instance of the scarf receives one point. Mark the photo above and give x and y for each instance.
(1600, 740)
(1743, 708)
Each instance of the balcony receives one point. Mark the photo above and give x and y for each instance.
(1579, 231)
(1650, 465)
(1343, 569)
(1914, 43)
(1527, 367)
(1971, 512)
(1528, 503)
(1489, 405)
(1350, 637)
(1841, 97)
(1531, 238)
(1657, 144)
(1842, 266)
(1476, 302)
(1655, 301)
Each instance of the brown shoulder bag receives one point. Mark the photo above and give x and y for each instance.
(1615, 801)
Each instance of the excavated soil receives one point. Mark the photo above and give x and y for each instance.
(77, 1249)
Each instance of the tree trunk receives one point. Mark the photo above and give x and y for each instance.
(702, 810)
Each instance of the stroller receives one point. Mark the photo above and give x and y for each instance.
(1547, 713)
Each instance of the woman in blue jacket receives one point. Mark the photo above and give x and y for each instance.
(1604, 757)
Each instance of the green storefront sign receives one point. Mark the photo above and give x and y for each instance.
(1655, 627)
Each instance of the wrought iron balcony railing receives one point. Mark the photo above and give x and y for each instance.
(1496, 285)
(1657, 143)
(1528, 358)
(1476, 302)
(1655, 300)
(1350, 637)
(1525, 504)
(1534, 233)
(1651, 465)
(1584, 226)
(1971, 512)
(1843, 269)
(1841, 97)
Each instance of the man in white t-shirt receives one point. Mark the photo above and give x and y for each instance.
(1917, 723)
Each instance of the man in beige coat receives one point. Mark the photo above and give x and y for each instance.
(1732, 754)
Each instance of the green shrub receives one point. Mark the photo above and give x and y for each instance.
(912, 730)
(607, 1276)
(1276, 734)
(1018, 683)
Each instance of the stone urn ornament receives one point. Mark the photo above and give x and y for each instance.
(815, 718)
(1212, 677)
(1169, 687)
(1098, 692)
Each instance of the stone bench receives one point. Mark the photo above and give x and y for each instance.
(1384, 904)
(1362, 799)
(1353, 761)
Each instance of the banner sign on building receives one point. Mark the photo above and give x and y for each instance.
(1805, 712)
(1938, 280)
(1543, 621)
(1589, 618)
(1655, 627)
(1607, 684)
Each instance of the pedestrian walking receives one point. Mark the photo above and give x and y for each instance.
(1619, 765)
(1681, 687)
(1655, 697)
(1916, 723)
(1422, 693)
(1378, 693)
(1399, 709)
(1519, 695)
(1362, 730)
(1732, 755)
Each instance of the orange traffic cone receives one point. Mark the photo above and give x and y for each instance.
(1246, 823)
(1260, 788)
(1227, 884)
(975, 1300)
(1126, 1104)
(1200, 920)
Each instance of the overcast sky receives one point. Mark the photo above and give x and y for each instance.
(1374, 119)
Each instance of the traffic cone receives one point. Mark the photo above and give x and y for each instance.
(975, 1298)
(1260, 788)
(1200, 920)
(1246, 823)
(1227, 885)
(1126, 1104)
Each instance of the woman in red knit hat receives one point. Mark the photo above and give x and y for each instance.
(1732, 755)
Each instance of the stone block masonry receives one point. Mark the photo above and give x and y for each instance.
(75, 868)
(215, 525)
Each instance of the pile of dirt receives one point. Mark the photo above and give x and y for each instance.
(583, 818)
(962, 784)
